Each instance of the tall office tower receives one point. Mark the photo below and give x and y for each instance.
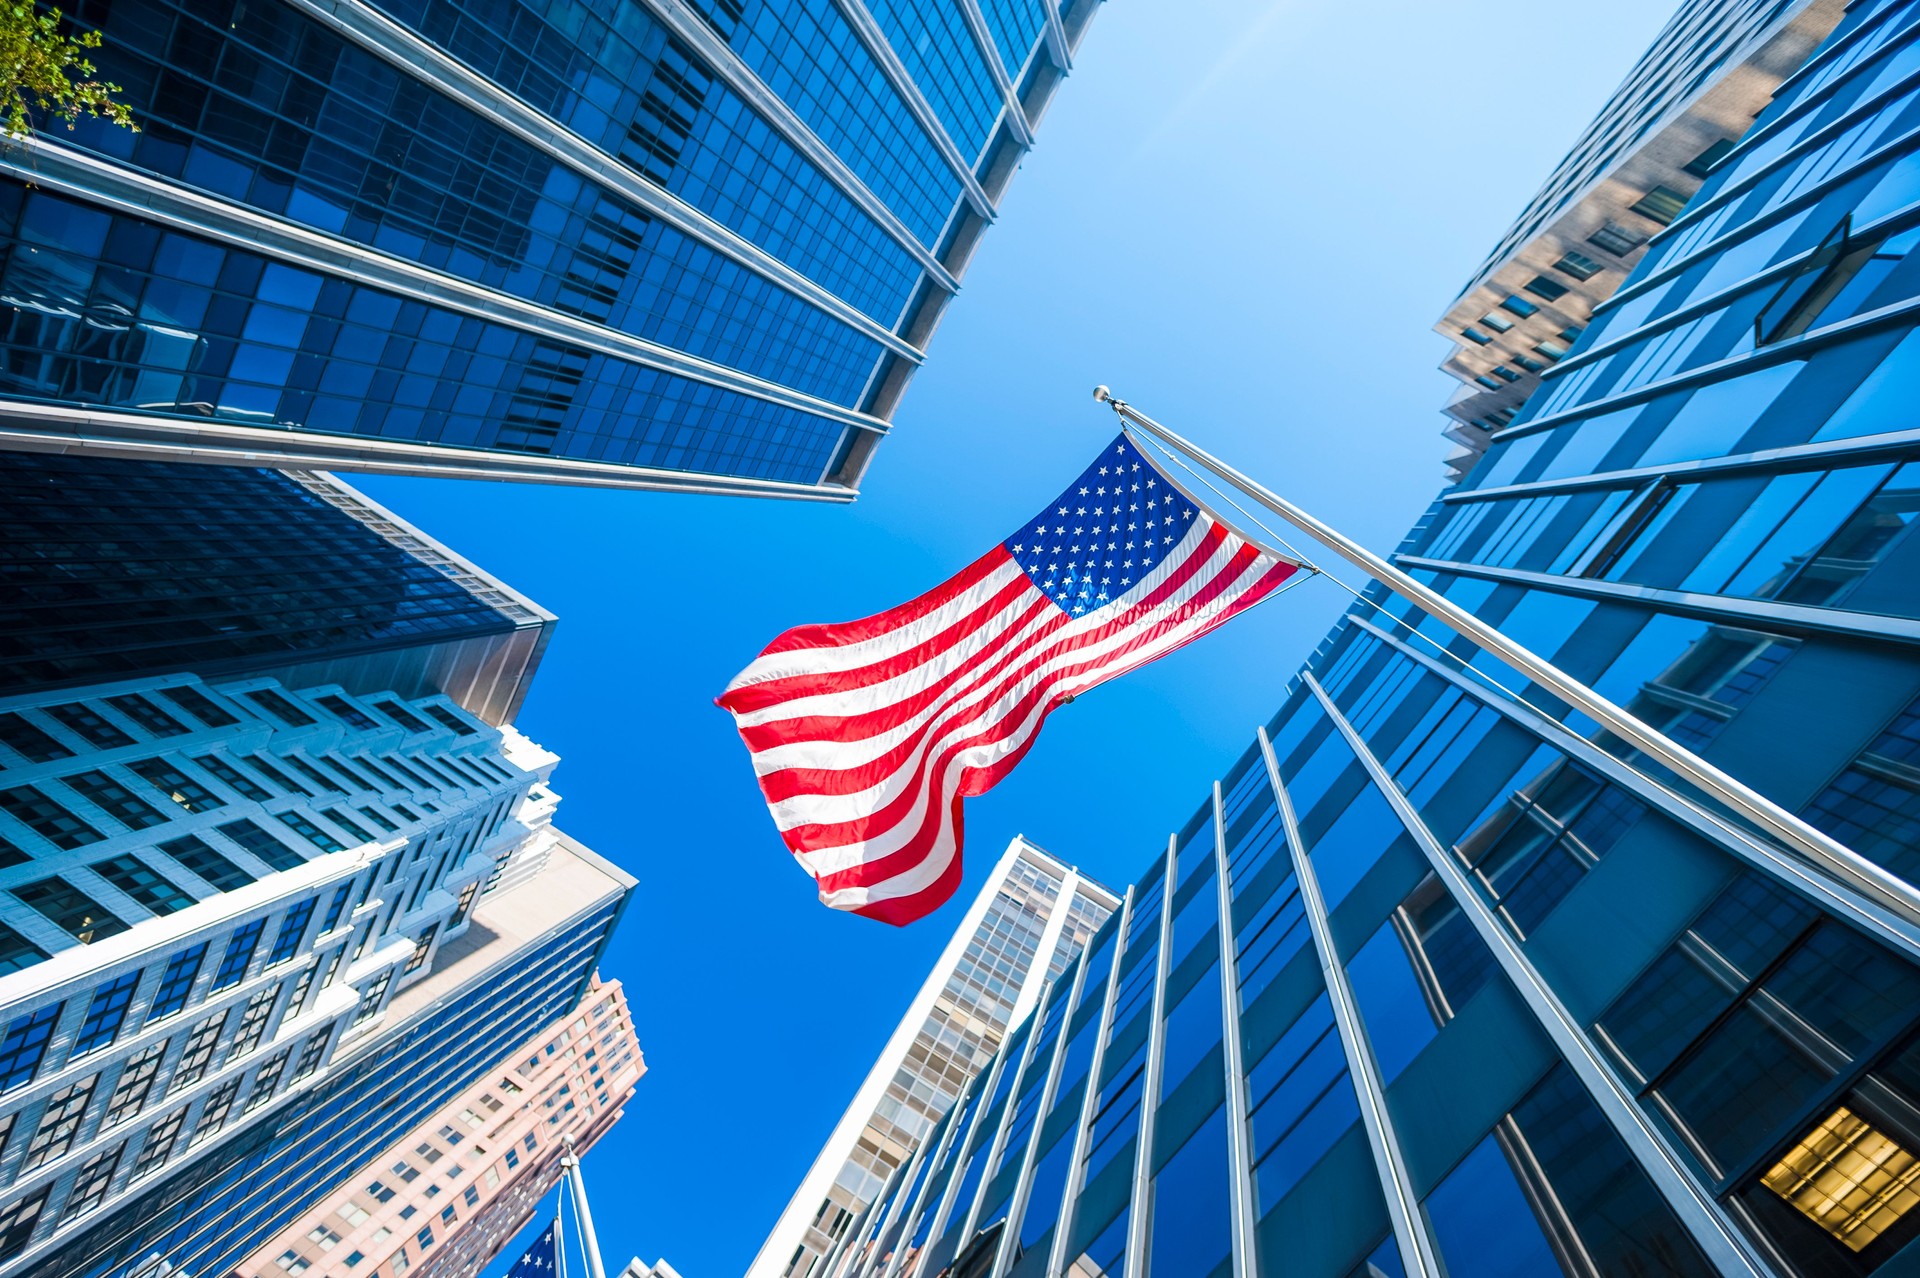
(114, 569)
(211, 893)
(685, 244)
(1450, 982)
(441, 1201)
(1031, 908)
(526, 959)
(1682, 108)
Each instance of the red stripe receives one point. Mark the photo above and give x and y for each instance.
(817, 837)
(793, 781)
(777, 692)
(838, 634)
(973, 780)
(874, 722)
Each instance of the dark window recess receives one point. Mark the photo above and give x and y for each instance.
(1833, 283)
(401, 715)
(348, 713)
(263, 845)
(147, 715)
(1616, 240)
(1519, 306)
(280, 707)
(189, 794)
(460, 726)
(90, 727)
(197, 858)
(200, 706)
(1505, 374)
(1703, 164)
(114, 799)
(70, 909)
(1475, 336)
(1578, 265)
(1662, 204)
(142, 883)
(1545, 289)
(47, 819)
(29, 741)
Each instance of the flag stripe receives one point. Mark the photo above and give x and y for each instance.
(868, 736)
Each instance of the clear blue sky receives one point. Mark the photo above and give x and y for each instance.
(1245, 217)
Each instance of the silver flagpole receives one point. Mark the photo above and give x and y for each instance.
(589, 1242)
(1838, 860)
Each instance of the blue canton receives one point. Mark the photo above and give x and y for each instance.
(538, 1262)
(1111, 527)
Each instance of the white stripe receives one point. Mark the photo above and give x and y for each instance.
(832, 860)
(826, 659)
(857, 701)
(927, 871)
(818, 809)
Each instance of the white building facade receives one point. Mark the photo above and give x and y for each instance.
(1031, 919)
(208, 893)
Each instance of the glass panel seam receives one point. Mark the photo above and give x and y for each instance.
(1417, 1249)
(1239, 1155)
(1712, 1229)
(1089, 1102)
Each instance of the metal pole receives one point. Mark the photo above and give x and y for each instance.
(589, 1242)
(1842, 862)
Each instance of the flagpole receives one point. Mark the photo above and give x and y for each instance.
(589, 1242)
(1843, 863)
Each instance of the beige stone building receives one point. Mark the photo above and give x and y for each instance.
(442, 1201)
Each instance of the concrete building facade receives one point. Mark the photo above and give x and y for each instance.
(442, 1201)
(1031, 918)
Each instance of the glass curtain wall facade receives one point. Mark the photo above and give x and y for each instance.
(1443, 980)
(1032, 917)
(690, 245)
(113, 569)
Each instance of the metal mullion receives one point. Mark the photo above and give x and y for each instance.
(946, 1141)
(1741, 612)
(1710, 1226)
(1417, 1250)
(1070, 1192)
(868, 32)
(991, 1167)
(1883, 924)
(1017, 1207)
(843, 1250)
(951, 1189)
(130, 192)
(1138, 1223)
(1056, 36)
(1000, 73)
(730, 68)
(1239, 1151)
(1864, 447)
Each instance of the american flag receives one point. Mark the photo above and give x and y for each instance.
(867, 735)
(538, 1262)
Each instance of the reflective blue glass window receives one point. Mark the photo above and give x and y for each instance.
(24, 1043)
(105, 1014)
(1873, 806)
(1300, 1101)
(1392, 1004)
(1353, 843)
(1190, 1230)
(176, 982)
(1482, 1223)
(1193, 1030)
(240, 947)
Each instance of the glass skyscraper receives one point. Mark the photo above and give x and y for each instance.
(1442, 980)
(694, 244)
(1031, 918)
(115, 569)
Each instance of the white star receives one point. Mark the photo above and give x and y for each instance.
(1083, 490)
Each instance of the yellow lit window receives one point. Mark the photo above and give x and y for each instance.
(1850, 1178)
